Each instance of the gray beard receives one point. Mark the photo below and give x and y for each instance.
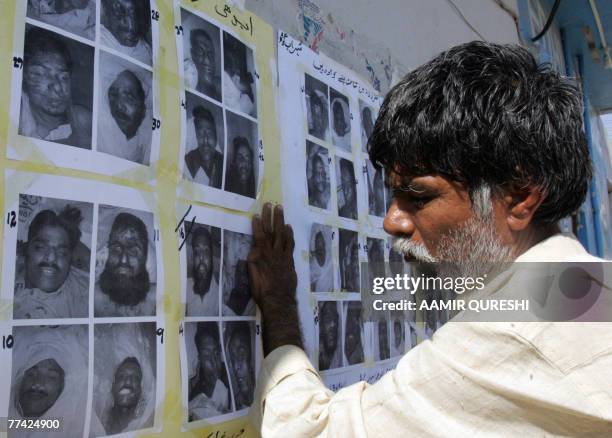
(467, 251)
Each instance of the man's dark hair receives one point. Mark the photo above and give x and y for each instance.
(315, 100)
(41, 41)
(127, 220)
(206, 329)
(347, 166)
(201, 232)
(199, 112)
(129, 359)
(487, 114)
(68, 219)
(199, 32)
(317, 159)
(240, 142)
(240, 330)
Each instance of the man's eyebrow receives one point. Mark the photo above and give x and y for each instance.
(404, 186)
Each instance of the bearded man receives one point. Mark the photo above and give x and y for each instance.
(203, 285)
(485, 153)
(124, 287)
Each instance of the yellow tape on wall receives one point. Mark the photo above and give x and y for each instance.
(260, 35)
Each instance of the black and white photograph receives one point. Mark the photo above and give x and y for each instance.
(125, 109)
(49, 378)
(57, 89)
(376, 187)
(201, 55)
(346, 186)
(398, 329)
(396, 260)
(204, 142)
(242, 166)
(239, 342)
(381, 339)
(368, 118)
(376, 258)
(239, 86)
(320, 259)
(341, 120)
(413, 337)
(52, 258)
(237, 300)
(126, 264)
(330, 340)
(74, 16)
(348, 247)
(209, 393)
(203, 268)
(125, 26)
(318, 175)
(317, 108)
(353, 333)
(124, 380)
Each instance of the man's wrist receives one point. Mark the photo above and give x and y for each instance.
(281, 325)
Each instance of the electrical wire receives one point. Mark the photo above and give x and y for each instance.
(465, 20)
(549, 21)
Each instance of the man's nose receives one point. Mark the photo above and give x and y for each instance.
(50, 255)
(397, 222)
(124, 257)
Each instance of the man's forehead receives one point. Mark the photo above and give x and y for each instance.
(416, 183)
(126, 234)
(49, 60)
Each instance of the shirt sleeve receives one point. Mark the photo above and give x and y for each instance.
(482, 379)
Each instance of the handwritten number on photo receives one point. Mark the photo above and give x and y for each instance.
(160, 333)
(7, 342)
(11, 219)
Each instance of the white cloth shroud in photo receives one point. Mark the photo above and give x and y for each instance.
(111, 139)
(141, 51)
(113, 344)
(68, 347)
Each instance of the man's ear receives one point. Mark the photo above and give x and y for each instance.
(521, 205)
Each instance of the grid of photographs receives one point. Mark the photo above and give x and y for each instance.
(219, 354)
(221, 152)
(343, 187)
(86, 95)
(85, 322)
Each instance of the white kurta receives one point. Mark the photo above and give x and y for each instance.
(472, 379)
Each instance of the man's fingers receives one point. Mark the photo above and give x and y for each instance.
(255, 278)
(266, 219)
(289, 242)
(279, 228)
(258, 233)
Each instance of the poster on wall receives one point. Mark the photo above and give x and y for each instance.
(85, 86)
(221, 159)
(83, 271)
(335, 199)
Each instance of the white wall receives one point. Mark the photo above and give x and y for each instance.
(392, 35)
